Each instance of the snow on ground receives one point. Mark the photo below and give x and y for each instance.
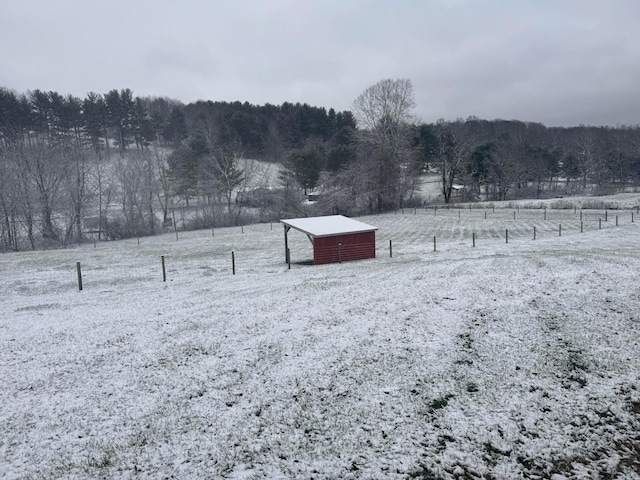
(261, 174)
(503, 360)
(430, 186)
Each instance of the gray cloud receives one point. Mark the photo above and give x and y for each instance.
(560, 62)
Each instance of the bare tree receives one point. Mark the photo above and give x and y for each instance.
(131, 172)
(384, 114)
(585, 147)
(226, 172)
(388, 99)
(163, 189)
(454, 146)
(634, 152)
(43, 163)
(10, 199)
(503, 170)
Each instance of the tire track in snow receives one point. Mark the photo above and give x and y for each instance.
(546, 403)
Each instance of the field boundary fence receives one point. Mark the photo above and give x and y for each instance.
(258, 248)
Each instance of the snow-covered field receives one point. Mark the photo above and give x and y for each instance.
(499, 361)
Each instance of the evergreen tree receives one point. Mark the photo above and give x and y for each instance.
(306, 166)
(94, 111)
(183, 169)
(175, 131)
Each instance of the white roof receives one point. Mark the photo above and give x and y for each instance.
(328, 226)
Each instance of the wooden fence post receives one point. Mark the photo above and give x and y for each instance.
(164, 270)
(434, 243)
(79, 270)
(390, 250)
(233, 262)
(559, 229)
(506, 236)
(534, 233)
(473, 236)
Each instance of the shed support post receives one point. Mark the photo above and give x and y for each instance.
(286, 243)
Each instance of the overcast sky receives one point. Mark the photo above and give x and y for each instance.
(559, 62)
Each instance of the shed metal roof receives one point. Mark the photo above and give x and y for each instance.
(328, 226)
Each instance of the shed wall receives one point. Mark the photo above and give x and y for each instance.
(355, 246)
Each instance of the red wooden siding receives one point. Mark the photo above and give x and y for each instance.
(355, 246)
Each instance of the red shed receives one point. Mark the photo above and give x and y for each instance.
(335, 238)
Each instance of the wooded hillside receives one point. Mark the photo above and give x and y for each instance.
(115, 165)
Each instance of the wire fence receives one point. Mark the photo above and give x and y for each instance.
(215, 255)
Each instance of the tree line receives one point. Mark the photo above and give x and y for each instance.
(115, 165)
(500, 159)
(479, 159)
